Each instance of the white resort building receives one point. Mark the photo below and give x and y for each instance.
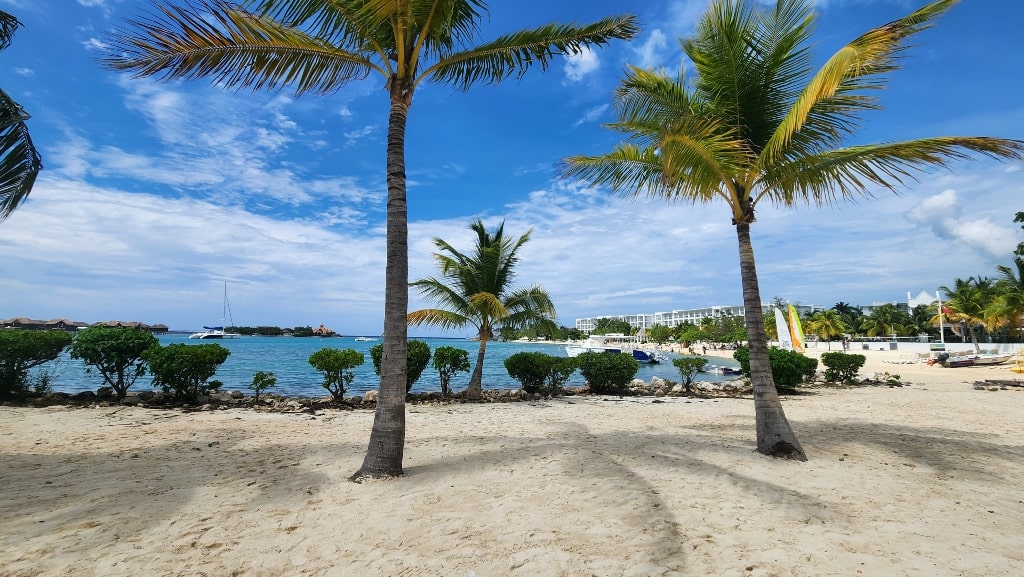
(676, 317)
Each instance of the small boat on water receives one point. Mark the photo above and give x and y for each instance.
(648, 357)
(614, 343)
(217, 332)
(365, 339)
(722, 370)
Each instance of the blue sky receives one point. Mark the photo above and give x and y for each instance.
(154, 194)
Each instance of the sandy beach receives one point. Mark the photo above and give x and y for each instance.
(920, 480)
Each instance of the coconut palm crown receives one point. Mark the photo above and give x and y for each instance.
(319, 46)
(19, 161)
(758, 125)
(476, 290)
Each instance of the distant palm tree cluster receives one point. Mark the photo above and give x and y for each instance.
(975, 308)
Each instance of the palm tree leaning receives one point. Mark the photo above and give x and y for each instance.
(319, 46)
(19, 161)
(476, 290)
(759, 125)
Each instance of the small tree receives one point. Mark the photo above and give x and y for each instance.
(21, 350)
(115, 352)
(183, 370)
(336, 366)
(262, 381)
(417, 360)
(841, 367)
(608, 373)
(448, 361)
(688, 368)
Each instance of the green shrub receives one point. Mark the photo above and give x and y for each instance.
(688, 367)
(115, 353)
(183, 370)
(448, 361)
(608, 373)
(262, 381)
(336, 366)
(530, 369)
(789, 369)
(21, 350)
(561, 369)
(841, 367)
(417, 360)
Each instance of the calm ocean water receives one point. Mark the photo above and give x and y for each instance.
(288, 358)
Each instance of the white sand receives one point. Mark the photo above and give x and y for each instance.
(925, 480)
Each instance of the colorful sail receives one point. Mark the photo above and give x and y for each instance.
(796, 332)
(785, 340)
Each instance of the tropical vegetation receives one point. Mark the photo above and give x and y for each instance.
(475, 289)
(336, 367)
(115, 353)
(758, 125)
(319, 46)
(19, 161)
(185, 370)
(21, 351)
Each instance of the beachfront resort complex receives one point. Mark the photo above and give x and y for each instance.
(676, 317)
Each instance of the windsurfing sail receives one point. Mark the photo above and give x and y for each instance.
(785, 340)
(796, 332)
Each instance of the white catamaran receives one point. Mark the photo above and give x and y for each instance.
(218, 332)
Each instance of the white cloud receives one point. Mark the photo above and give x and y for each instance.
(580, 64)
(352, 137)
(650, 54)
(592, 114)
(26, 72)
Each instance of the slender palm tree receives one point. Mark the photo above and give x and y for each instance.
(476, 290)
(758, 125)
(826, 324)
(19, 161)
(970, 304)
(318, 46)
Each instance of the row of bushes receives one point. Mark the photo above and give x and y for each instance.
(121, 355)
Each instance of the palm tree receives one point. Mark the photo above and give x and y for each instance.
(19, 161)
(319, 46)
(758, 125)
(1009, 305)
(826, 324)
(970, 304)
(884, 321)
(476, 290)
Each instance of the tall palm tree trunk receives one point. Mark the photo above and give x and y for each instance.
(774, 435)
(475, 389)
(387, 438)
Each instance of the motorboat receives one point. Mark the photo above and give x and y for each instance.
(609, 343)
(647, 357)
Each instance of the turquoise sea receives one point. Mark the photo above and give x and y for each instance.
(288, 358)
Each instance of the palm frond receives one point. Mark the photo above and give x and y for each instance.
(858, 66)
(233, 47)
(516, 53)
(440, 318)
(19, 161)
(850, 172)
(8, 25)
